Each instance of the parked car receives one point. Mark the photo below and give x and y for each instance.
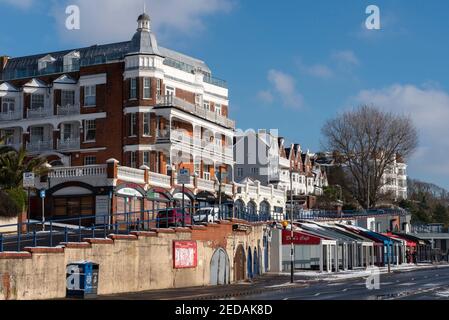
(173, 218)
(207, 214)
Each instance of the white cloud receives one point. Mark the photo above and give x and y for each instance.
(345, 57)
(115, 20)
(320, 71)
(285, 86)
(428, 106)
(22, 4)
(265, 96)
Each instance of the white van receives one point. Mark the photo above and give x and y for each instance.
(206, 214)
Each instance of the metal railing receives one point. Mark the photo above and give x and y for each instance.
(69, 109)
(56, 231)
(69, 144)
(43, 112)
(171, 100)
(37, 146)
(11, 115)
(301, 214)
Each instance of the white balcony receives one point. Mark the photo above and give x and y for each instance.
(39, 146)
(68, 110)
(159, 180)
(69, 144)
(131, 175)
(205, 185)
(76, 172)
(168, 101)
(11, 115)
(95, 175)
(228, 189)
(39, 112)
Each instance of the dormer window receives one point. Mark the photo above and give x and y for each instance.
(72, 61)
(45, 62)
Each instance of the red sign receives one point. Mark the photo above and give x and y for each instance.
(299, 238)
(185, 254)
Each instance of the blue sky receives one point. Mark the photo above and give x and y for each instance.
(290, 65)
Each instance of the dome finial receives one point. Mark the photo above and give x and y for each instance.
(143, 20)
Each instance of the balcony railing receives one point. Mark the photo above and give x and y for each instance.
(11, 115)
(131, 175)
(228, 189)
(69, 144)
(215, 81)
(174, 136)
(39, 112)
(38, 146)
(67, 110)
(171, 100)
(159, 180)
(77, 172)
(205, 185)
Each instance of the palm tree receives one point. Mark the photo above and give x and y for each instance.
(13, 164)
(3, 147)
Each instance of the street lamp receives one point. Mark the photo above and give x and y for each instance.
(47, 166)
(292, 248)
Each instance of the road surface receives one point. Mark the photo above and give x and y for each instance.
(431, 284)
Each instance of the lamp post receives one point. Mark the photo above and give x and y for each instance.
(292, 248)
(47, 166)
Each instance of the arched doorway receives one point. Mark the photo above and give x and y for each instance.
(239, 264)
(219, 268)
(259, 255)
(255, 263)
(249, 266)
(265, 246)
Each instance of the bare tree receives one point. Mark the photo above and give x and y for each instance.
(367, 141)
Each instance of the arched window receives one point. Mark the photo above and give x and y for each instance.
(265, 208)
(239, 208)
(252, 208)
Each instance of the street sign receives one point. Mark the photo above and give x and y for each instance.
(42, 194)
(184, 176)
(28, 180)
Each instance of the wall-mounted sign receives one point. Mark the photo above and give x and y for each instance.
(185, 254)
(240, 227)
(183, 176)
(28, 180)
(299, 238)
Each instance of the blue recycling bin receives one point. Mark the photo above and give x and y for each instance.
(82, 280)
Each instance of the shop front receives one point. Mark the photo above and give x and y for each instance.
(129, 206)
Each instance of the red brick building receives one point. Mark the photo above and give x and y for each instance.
(152, 109)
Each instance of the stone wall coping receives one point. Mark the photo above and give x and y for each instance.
(99, 240)
(15, 255)
(77, 245)
(198, 227)
(58, 249)
(144, 234)
(183, 230)
(123, 237)
(163, 230)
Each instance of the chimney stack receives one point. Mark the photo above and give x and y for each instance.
(3, 62)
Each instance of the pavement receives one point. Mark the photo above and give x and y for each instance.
(406, 281)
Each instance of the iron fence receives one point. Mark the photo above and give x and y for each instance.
(55, 231)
